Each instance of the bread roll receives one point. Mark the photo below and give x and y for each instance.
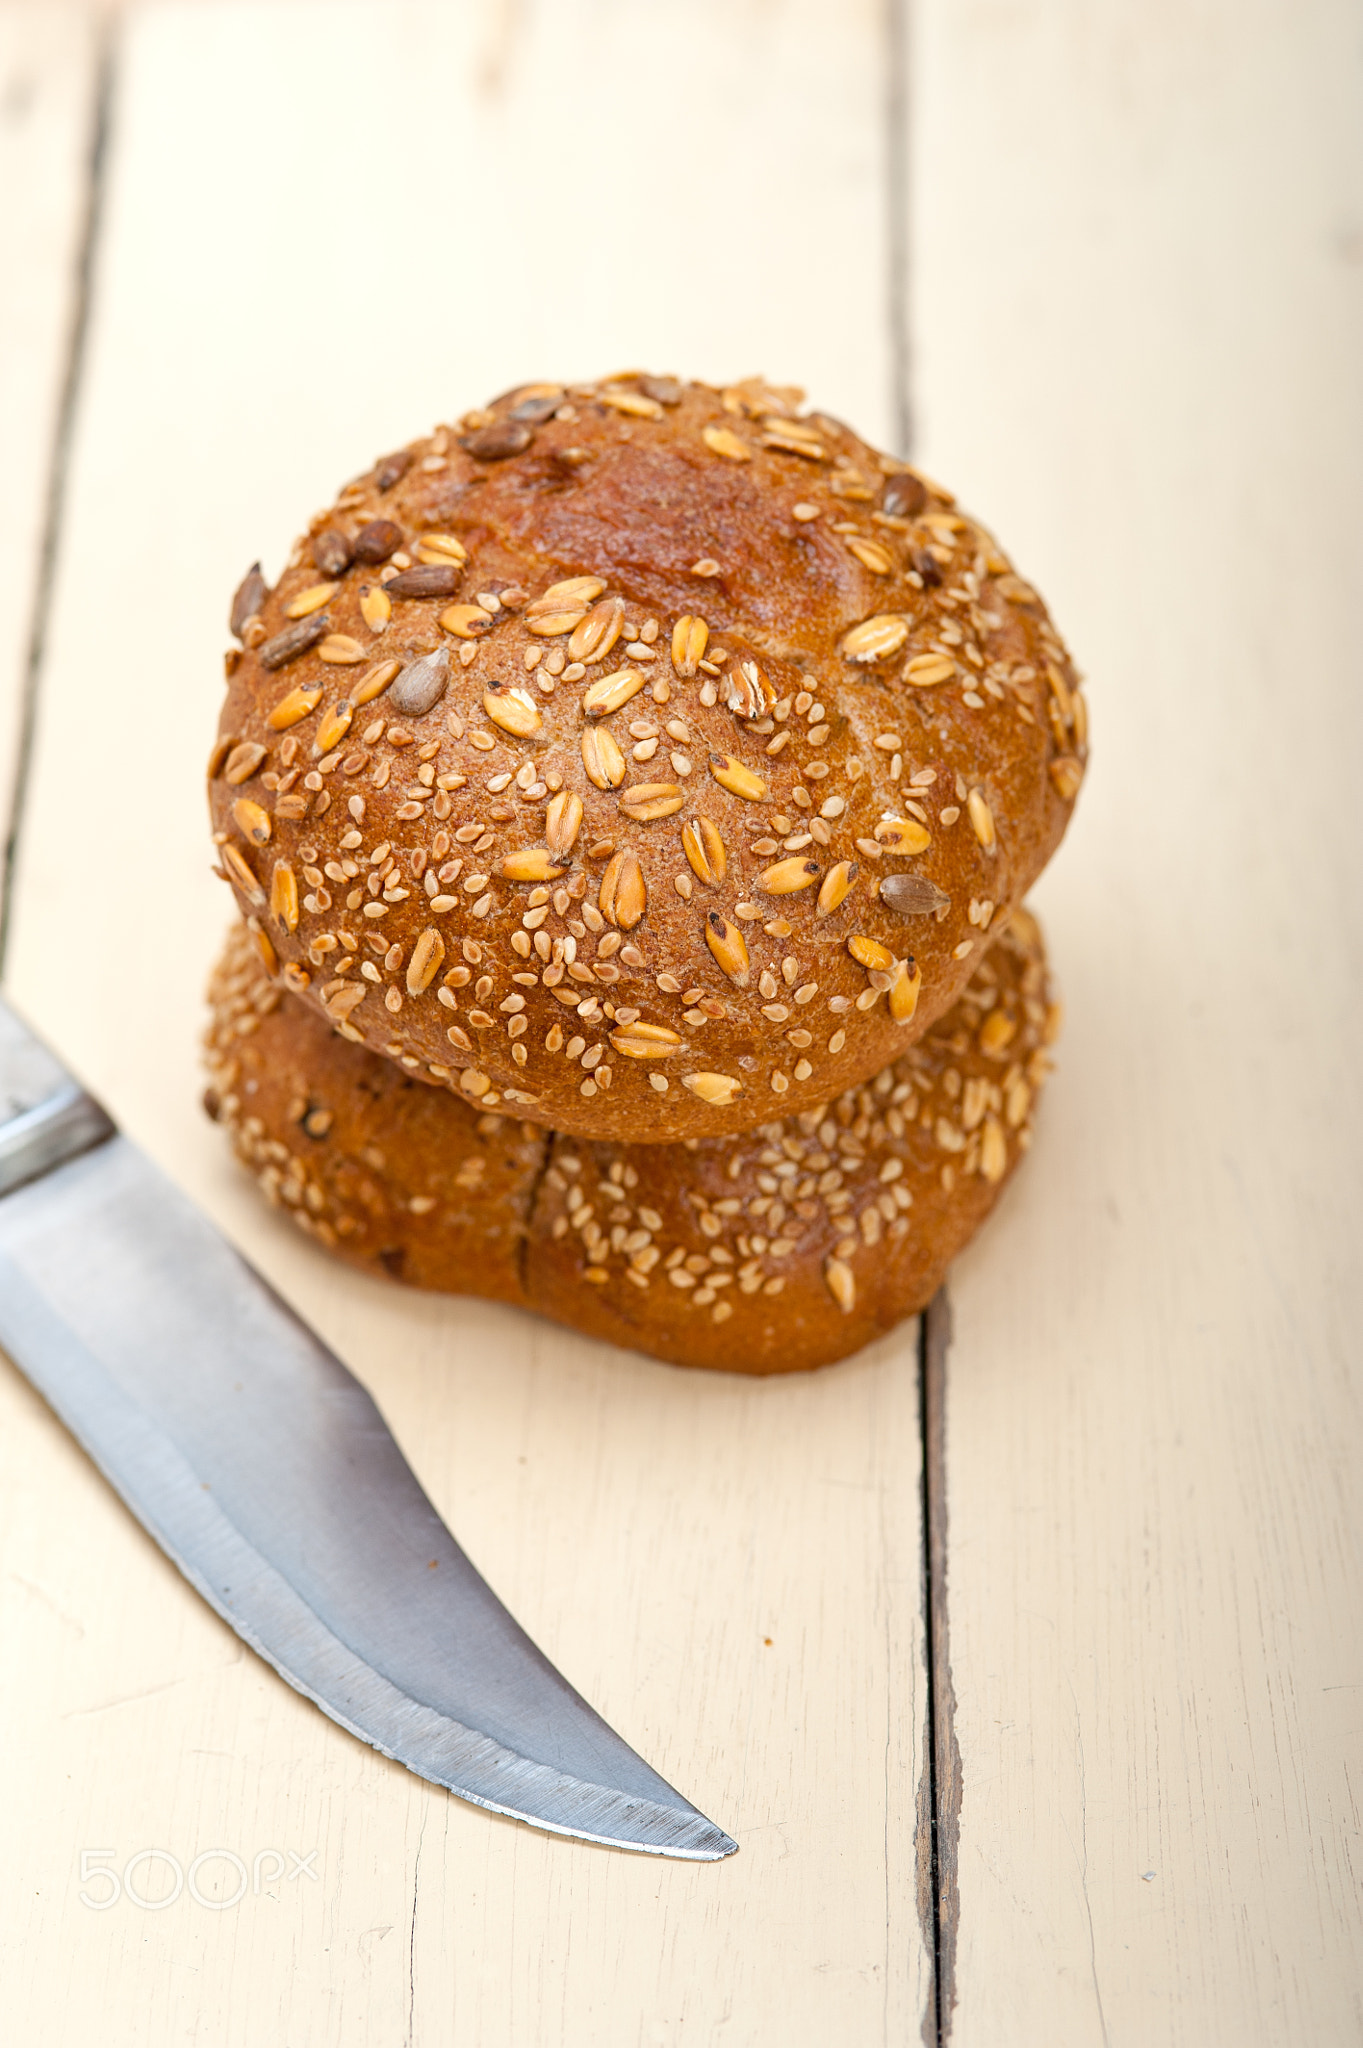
(641, 759)
(772, 1250)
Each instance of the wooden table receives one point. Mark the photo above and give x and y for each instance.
(1085, 1766)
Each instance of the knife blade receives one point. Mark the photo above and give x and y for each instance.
(267, 1474)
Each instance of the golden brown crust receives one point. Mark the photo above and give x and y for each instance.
(564, 826)
(776, 1250)
(394, 1176)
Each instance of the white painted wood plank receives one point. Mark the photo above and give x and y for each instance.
(1139, 266)
(326, 229)
(47, 77)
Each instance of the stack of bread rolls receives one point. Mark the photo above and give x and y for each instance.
(629, 795)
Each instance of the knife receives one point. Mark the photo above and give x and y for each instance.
(267, 1474)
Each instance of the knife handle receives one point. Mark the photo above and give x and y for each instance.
(46, 1118)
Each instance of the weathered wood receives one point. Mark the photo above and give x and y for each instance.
(1137, 254)
(47, 87)
(325, 230)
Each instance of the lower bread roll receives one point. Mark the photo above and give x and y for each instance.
(774, 1250)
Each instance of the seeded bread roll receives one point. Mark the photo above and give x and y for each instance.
(641, 759)
(770, 1251)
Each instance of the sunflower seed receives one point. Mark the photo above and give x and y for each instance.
(294, 640)
(249, 596)
(376, 541)
(535, 411)
(914, 896)
(392, 468)
(421, 684)
(331, 552)
(495, 443)
(903, 496)
(432, 579)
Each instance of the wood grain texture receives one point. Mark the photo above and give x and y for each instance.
(324, 230)
(1137, 331)
(47, 86)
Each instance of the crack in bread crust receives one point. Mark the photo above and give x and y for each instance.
(771, 1250)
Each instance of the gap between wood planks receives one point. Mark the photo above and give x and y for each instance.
(58, 466)
(939, 1792)
(939, 1798)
